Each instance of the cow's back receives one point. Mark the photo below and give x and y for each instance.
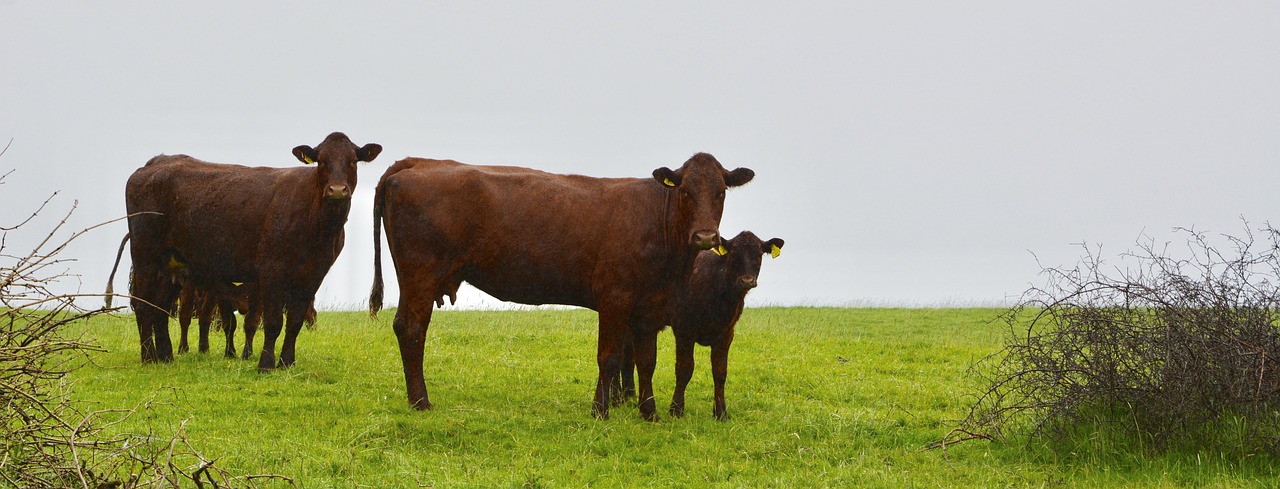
(215, 215)
(520, 234)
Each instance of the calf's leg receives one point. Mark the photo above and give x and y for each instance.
(251, 322)
(272, 322)
(719, 371)
(684, 372)
(186, 309)
(624, 384)
(227, 313)
(646, 358)
(293, 325)
(207, 306)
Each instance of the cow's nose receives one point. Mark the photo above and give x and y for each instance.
(747, 282)
(337, 192)
(706, 239)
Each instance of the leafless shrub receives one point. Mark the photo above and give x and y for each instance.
(45, 442)
(1170, 347)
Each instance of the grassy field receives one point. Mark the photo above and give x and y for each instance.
(819, 397)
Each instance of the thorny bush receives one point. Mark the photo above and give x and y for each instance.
(1176, 343)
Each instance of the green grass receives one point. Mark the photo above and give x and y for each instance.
(819, 397)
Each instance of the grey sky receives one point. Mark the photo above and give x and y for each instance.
(909, 152)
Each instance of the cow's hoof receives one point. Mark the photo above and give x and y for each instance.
(677, 411)
(723, 416)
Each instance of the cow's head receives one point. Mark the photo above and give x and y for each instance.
(699, 188)
(744, 253)
(335, 161)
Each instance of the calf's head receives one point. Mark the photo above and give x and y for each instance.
(699, 187)
(743, 256)
(335, 161)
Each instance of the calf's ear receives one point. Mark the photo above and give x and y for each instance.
(738, 177)
(369, 152)
(666, 177)
(305, 154)
(773, 247)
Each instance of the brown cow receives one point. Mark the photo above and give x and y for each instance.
(707, 314)
(215, 224)
(619, 246)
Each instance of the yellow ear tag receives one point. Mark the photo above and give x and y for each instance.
(307, 159)
(719, 250)
(668, 182)
(774, 251)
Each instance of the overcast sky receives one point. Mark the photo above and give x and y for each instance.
(910, 153)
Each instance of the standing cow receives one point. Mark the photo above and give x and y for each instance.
(707, 313)
(215, 224)
(620, 246)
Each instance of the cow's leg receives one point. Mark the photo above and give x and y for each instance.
(719, 371)
(272, 321)
(151, 308)
(251, 322)
(646, 358)
(610, 348)
(207, 306)
(624, 385)
(413, 317)
(293, 325)
(186, 309)
(684, 372)
(227, 314)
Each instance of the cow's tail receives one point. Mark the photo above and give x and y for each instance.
(375, 295)
(112, 278)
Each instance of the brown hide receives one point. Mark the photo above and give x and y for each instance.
(214, 224)
(708, 311)
(619, 246)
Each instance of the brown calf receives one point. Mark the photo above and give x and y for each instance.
(619, 246)
(707, 314)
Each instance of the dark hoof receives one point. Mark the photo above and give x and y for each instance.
(422, 405)
(724, 416)
(677, 411)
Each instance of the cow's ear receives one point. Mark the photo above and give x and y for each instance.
(739, 176)
(666, 177)
(369, 152)
(773, 247)
(305, 154)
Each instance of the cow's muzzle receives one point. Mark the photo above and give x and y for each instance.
(338, 192)
(706, 240)
(747, 282)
